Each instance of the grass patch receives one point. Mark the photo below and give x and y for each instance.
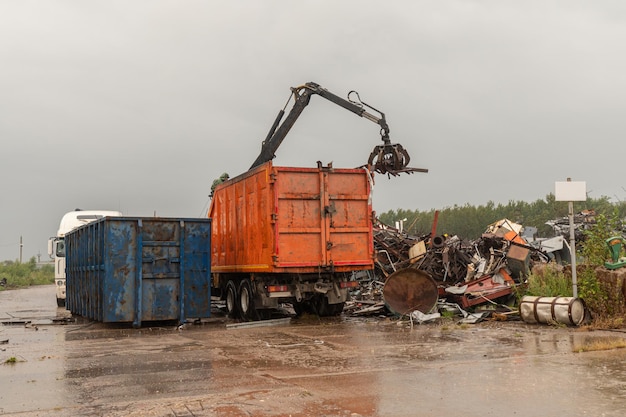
(601, 344)
(550, 282)
(21, 275)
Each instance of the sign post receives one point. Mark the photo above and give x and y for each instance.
(571, 191)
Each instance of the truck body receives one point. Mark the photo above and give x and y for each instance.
(134, 269)
(56, 244)
(285, 234)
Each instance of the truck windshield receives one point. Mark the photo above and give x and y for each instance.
(60, 250)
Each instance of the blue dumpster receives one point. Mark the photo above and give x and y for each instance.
(136, 269)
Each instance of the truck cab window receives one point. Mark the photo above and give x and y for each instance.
(60, 251)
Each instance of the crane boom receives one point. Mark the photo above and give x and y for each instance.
(388, 158)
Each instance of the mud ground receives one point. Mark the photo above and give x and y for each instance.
(304, 367)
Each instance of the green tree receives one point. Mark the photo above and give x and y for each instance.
(470, 222)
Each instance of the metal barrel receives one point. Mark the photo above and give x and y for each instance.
(563, 310)
(438, 241)
(410, 289)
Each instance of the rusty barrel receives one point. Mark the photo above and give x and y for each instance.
(410, 289)
(562, 310)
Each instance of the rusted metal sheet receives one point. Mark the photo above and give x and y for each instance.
(484, 289)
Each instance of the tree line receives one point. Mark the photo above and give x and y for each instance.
(469, 222)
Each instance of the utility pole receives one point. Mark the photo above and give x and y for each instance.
(21, 246)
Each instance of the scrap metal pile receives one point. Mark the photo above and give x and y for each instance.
(463, 273)
(582, 222)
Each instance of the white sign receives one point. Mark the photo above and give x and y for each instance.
(570, 191)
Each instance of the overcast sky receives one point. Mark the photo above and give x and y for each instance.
(138, 106)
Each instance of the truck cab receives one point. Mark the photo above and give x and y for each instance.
(56, 244)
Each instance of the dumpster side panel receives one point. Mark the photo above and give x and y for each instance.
(140, 269)
(120, 271)
(241, 213)
(196, 264)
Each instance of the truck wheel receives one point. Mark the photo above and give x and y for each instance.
(299, 308)
(320, 304)
(246, 301)
(60, 302)
(231, 299)
(324, 309)
(336, 309)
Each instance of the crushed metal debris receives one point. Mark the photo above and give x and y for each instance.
(481, 275)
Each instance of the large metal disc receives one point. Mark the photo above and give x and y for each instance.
(410, 289)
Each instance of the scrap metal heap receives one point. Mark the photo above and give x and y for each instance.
(466, 273)
(583, 221)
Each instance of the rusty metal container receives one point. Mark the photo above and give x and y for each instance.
(131, 269)
(292, 220)
(518, 260)
(563, 310)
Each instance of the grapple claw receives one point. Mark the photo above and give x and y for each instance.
(391, 159)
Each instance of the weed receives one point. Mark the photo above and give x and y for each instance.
(447, 314)
(11, 360)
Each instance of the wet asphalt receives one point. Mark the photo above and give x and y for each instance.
(53, 364)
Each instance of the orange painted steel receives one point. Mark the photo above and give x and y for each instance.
(292, 220)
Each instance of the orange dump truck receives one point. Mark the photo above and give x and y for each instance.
(284, 234)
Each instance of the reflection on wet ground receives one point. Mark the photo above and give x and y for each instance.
(330, 367)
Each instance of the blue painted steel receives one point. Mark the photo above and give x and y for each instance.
(132, 269)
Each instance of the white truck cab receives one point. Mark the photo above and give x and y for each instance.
(56, 244)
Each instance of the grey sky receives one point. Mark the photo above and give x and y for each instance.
(139, 105)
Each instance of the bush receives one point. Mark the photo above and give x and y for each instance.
(25, 274)
(602, 289)
(550, 281)
(594, 248)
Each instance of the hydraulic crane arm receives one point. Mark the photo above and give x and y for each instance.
(386, 159)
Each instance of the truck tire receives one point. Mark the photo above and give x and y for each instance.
(299, 307)
(324, 309)
(246, 302)
(231, 299)
(336, 309)
(60, 302)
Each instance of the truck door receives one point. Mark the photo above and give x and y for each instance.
(323, 218)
